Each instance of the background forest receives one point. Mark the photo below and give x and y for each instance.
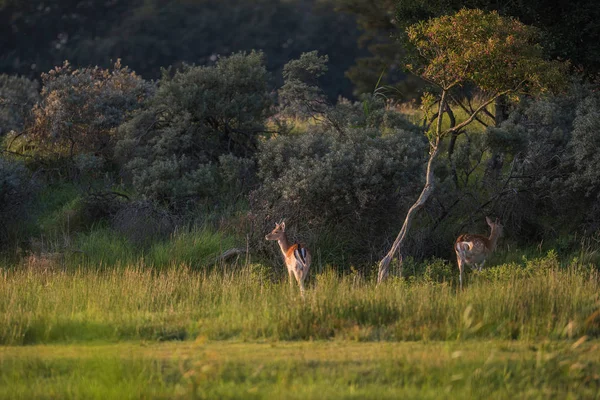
(179, 129)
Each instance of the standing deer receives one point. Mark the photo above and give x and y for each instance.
(474, 249)
(297, 258)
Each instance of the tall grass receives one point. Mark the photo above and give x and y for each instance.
(195, 246)
(540, 299)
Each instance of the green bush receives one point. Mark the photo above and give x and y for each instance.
(173, 150)
(16, 189)
(552, 179)
(17, 96)
(80, 111)
(345, 192)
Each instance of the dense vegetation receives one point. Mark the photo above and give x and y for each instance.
(135, 196)
(223, 146)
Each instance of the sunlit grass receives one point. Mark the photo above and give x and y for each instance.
(319, 370)
(195, 247)
(538, 299)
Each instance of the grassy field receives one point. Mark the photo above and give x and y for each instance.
(540, 298)
(319, 370)
(527, 329)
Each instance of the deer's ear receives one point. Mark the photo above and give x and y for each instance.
(489, 221)
(283, 225)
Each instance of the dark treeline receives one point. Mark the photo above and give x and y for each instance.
(148, 35)
(358, 35)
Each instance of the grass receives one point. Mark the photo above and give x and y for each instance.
(116, 321)
(195, 247)
(540, 299)
(319, 370)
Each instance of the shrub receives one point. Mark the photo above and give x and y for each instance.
(81, 109)
(172, 151)
(141, 222)
(17, 96)
(341, 189)
(552, 181)
(16, 188)
(536, 171)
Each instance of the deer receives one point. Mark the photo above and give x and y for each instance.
(296, 257)
(473, 250)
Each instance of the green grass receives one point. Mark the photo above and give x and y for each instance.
(518, 330)
(193, 247)
(301, 370)
(42, 304)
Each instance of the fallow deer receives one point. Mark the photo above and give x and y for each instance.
(297, 258)
(473, 250)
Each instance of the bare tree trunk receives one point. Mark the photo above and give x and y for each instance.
(384, 264)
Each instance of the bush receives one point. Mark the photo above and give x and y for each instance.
(342, 190)
(142, 222)
(17, 96)
(172, 151)
(16, 188)
(81, 109)
(552, 183)
(536, 172)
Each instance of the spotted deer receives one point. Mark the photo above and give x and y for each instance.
(473, 250)
(297, 258)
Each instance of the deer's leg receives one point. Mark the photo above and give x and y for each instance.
(290, 277)
(301, 284)
(298, 274)
(460, 269)
(481, 265)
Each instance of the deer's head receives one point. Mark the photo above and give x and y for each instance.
(277, 233)
(495, 226)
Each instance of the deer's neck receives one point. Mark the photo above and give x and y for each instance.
(284, 245)
(494, 235)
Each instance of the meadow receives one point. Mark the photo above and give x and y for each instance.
(527, 329)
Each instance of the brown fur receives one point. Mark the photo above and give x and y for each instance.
(296, 267)
(473, 249)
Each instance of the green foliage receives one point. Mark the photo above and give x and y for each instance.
(585, 145)
(80, 111)
(345, 184)
(568, 30)
(17, 97)
(172, 150)
(382, 55)
(492, 52)
(548, 184)
(301, 94)
(16, 189)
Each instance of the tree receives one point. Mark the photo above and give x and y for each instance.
(378, 64)
(201, 118)
(36, 35)
(570, 29)
(497, 55)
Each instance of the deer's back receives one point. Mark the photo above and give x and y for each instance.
(476, 243)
